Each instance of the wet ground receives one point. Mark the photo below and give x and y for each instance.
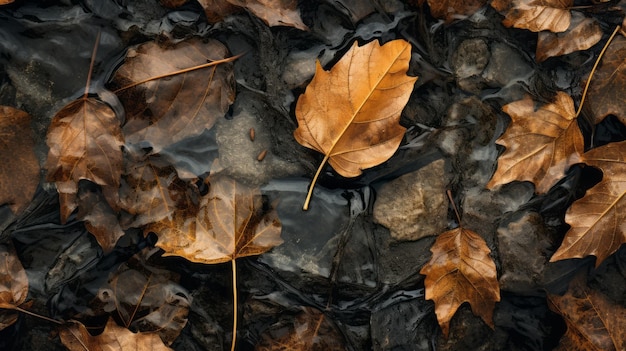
(357, 253)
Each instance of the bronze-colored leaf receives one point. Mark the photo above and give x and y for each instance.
(449, 10)
(535, 15)
(459, 271)
(607, 91)
(593, 322)
(164, 111)
(583, 33)
(100, 219)
(85, 141)
(19, 174)
(230, 224)
(598, 220)
(351, 113)
(13, 285)
(309, 331)
(541, 143)
(76, 338)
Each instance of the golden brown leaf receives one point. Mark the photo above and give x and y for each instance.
(13, 285)
(351, 113)
(114, 338)
(459, 271)
(449, 10)
(85, 141)
(535, 15)
(164, 111)
(541, 144)
(309, 331)
(598, 220)
(5, 2)
(583, 33)
(230, 224)
(100, 219)
(19, 174)
(593, 322)
(607, 91)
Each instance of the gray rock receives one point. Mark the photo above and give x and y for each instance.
(300, 67)
(414, 205)
(469, 60)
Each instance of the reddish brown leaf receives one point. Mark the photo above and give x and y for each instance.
(164, 111)
(583, 33)
(541, 144)
(449, 10)
(13, 285)
(230, 224)
(19, 174)
(309, 331)
(85, 141)
(593, 322)
(76, 338)
(607, 91)
(535, 15)
(459, 271)
(598, 220)
(100, 220)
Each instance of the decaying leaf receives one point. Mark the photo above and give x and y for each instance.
(535, 15)
(593, 322)
(13, 285)
(161, 112)
(607, 91)
(272, 12)
(217, 10)
(351, 113)
(85, 141)
(598, 220)
(541, 144)
(583, 33)
(309, 331)
(19, 174)
(100, 219)
(459, 271)
(230, 224)
(76, 338)
(449, 10)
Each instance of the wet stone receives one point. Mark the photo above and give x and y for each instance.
(469, 60)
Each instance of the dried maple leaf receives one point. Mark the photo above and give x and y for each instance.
(593, 322)
(583, 33)
(459, 271)
(272, 12)
(607, 91)
(164, 111)
(535, 15)
(541, 144)
(351, 113)
(19, 174)
(449, 10)
(76, 338)
(100, 219)
(13, 285)
(85, 141)
(310, 330)
(598, 220)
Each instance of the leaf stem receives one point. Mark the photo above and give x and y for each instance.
(91, 64)
(593, 70)
(36, 315)
(234, 339)
(317, 174)
(456, 211)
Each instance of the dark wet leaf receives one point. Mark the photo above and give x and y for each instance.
(449, 10)
(13, 285)
(583, 33)
(535, 15)
(19, 174)
(459, 271)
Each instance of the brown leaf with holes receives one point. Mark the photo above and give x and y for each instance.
(100, 219)
(309, 331)
(541, 143)
(272, 12)
(607, 91)
(19, 174)
(230, 223)
(75, 337)
(449, 10)
(13, 285)
(535, 15)
(164, 111)
(461, 270)
(594, 323)
(583, 33)
(598, 220)
(85, 141)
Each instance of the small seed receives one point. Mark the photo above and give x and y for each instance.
(261, 155)
(251, 134)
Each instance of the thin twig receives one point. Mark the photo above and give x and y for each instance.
(456, 211)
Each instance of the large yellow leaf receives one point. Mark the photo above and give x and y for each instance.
(351, 113)
(541, 144)
(598, 220)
